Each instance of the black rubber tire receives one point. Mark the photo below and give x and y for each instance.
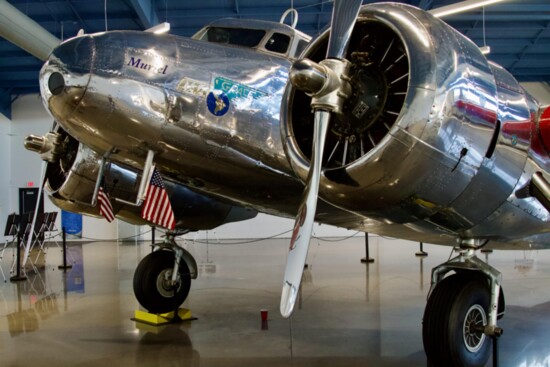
(443, 323)
(146, 279)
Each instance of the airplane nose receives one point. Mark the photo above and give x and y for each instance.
(64, 78)
(56, 83)
(75, 55)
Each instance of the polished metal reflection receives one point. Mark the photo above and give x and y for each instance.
(458, 147)
(308, 76)
(151, 92)
(457, 151)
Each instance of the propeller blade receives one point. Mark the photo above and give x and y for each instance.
(344, 14)
(327, 84)
(303, 226)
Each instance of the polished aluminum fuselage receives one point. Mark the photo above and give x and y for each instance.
(129, 92)
(117, 104)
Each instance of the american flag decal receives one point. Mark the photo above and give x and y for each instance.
(156, 207)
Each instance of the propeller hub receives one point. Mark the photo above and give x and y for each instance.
(327, 82)
(48, 146)
(308, 76)
(337, 88)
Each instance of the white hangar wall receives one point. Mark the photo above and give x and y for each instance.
(5, 175)
(19, 166)
(541, 91)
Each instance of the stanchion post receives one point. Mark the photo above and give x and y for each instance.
(495, 351)
(367, 259)
(421, 252)
(64, 266)
(153, 239)
(18, 276)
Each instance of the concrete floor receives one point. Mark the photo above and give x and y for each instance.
(349, 314)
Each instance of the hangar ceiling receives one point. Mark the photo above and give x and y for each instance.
(518, 31)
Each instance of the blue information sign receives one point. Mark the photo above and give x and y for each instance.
(72, 223)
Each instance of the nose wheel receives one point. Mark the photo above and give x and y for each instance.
(155, 287)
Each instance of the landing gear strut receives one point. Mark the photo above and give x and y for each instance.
(460, 318)
(163, 278)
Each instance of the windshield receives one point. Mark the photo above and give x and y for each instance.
(234, 36)
(278, 42)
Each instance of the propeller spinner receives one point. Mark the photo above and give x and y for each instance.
(328, 85)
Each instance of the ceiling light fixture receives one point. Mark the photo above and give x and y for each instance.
(461, 7)
(159, 28)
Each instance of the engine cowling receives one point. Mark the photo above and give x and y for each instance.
(71, 177)
(424, 120)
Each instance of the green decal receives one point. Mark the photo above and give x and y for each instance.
(236, 90)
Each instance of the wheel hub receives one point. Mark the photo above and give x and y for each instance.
(165, 286)
(474, 323)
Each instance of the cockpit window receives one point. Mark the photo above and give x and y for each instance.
(302, 44)
(234, 36)
(278, 42)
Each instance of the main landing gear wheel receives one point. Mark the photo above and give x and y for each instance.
(454, 321)
(153, 282)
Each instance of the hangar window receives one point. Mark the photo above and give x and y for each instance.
(234, 36)
(278, 42)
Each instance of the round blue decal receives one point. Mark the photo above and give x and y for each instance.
(218, 103)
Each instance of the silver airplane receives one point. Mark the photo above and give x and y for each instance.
(389, 122)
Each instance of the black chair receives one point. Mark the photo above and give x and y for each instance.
(11, 230)
(44, 223)
(38, 234)
(25, 230)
